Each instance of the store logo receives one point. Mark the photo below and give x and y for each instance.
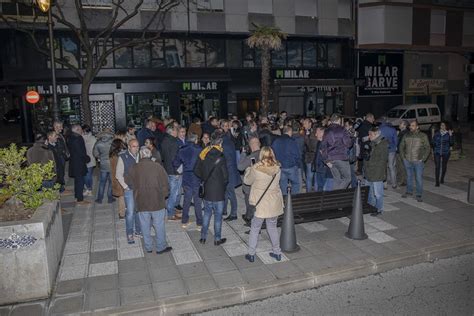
(292, 74)
(382, 76)
(60, 89)
(200, 86)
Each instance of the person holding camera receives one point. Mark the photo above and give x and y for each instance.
(248, 159)
(375, 168)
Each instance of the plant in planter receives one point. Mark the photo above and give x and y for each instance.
(21, 186)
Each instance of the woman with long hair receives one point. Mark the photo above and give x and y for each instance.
(117, 146)
(442, 142)
(265, 194)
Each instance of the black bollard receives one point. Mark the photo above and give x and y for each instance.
(288, 233)
(356, 227)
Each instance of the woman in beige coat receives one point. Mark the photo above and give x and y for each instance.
(269, 202)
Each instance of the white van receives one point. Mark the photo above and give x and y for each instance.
(426, 114)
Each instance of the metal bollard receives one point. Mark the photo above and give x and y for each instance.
(356, 227)
(288, 233)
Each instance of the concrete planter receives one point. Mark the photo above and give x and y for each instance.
(28, 271)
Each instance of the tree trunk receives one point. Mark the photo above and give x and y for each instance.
(85, 106)
(265, 81)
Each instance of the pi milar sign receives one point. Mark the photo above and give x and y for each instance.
(32, 97)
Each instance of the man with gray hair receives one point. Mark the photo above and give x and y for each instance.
(150, 188)
(169, 149)
(186, 157)
(78, 162)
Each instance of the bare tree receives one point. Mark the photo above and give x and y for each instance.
(122, 12)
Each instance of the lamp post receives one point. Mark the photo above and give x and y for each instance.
(45, 6)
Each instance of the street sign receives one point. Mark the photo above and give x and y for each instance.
(32, 97)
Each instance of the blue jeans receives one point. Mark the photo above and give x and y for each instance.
(292, 175)
(104, 179)
(174, 186)
(353, 176)
(414, 169)
(341, 174)
(310, 178)
(230, 196)
(209, 208)
(157, 219)
(88, 178)
(192, 194)
(131, 217)
(376, 195)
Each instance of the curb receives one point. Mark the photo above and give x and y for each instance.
(239, 295)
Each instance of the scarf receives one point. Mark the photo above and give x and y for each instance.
(443, 132)
(206, 150)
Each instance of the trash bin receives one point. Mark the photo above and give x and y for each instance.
(470, 191)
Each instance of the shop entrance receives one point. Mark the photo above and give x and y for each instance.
(324, 103)
(103, 112)
(202, 105)
(140, 106)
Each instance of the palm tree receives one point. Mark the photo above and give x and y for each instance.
(266, 39)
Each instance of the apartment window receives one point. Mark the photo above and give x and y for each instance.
(427, 71)
(97, 3)
(210, 5)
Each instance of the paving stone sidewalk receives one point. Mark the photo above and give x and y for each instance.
(100, 270)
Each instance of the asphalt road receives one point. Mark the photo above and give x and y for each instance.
(444, 287)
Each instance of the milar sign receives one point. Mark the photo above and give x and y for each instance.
(292, 74)
(383, 73)
(200, 86)
(61, 89)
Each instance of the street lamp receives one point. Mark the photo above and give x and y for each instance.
(45, 7)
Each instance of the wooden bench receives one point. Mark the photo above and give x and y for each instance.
(316, 206)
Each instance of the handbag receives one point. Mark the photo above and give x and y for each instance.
(202, 191)
(264, 192)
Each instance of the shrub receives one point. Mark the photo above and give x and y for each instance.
(21, 185)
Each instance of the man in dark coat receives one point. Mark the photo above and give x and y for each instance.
(363, 135)
(234, 176)
(63, 154)
(211, 168)
(78, 162)
(169, 149)
(210, 126)
(288, 155)
(187, 157)
(146, 132)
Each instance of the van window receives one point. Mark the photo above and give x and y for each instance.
(411, 114)
(422, 112)
(395, 113)
(434, 111)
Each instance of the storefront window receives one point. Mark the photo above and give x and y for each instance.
(141, 56)
(174, 53)
(140, 106)
(195, 53)
(201, 105)
(234, 53)
(309, 55)
(334, 55)
(294, 54)
(42, 115)
(215, 55)
(123, 56)
(279, 57)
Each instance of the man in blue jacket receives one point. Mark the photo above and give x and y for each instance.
(187, 157)
(335, 144)
(390, 134)
(146, 132)
(288, 154)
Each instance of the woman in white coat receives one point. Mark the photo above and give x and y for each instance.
(265, 193)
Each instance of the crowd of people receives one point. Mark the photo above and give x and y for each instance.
(149, 171)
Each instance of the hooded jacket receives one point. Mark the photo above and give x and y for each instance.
(102, 148)
(259, 178)
(375, 169)
(215, 186)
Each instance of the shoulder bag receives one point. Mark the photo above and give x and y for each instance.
(264, 192)
(203, 183)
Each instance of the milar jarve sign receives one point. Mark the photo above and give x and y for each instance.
(383, 73)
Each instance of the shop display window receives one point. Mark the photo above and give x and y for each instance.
(139, 106)
(309, 54)
(42, 112)
(294, 54)
(195, 53)
(215, 53)
(201, 105)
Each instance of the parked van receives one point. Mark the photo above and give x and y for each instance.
(426, 114)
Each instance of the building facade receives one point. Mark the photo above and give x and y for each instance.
(201, 66)
(434, 43)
